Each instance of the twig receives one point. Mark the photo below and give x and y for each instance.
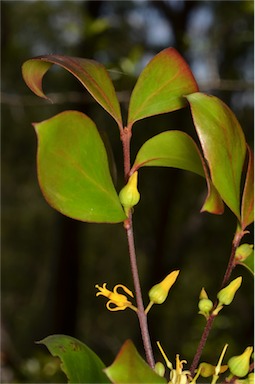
(142, 317)
(231, 265)
(125, 135)
(201, 344)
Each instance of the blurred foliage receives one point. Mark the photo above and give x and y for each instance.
(50, 264)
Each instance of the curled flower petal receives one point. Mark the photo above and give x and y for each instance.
(117, 301)
(125, 289)
(115, 307)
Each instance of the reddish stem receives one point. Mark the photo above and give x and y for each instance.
(125, 136)
(142, 317)
(201, 344)
(231, 265)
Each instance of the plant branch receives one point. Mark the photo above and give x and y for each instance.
(125, 136)
(202, 343)
(231, 265)
(142, 317)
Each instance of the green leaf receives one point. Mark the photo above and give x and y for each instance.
(79, 363)
(161, 86)
(73, 169)
(170, 149)
(248, 193)
(177, 149)
(129, 367)
(90, 73)
(223, 144)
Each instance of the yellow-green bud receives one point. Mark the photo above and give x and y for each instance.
(203, 294)
(239, 365)
(129, 195)
(243, 251)
(206, 369)
(227, 294)
(159, 369)
(158, 293)
(205, 306)
(250, 378)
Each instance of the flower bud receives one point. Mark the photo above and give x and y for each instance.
(227, 294)
(239, 365)
(203, 294)
(207, 369)
(205, 306)
(159, 369)
(158, 293)
(250, 378)
(129, 195)
(243, 251)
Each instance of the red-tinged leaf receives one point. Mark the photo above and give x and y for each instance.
(223, 144)
(73, 169)
(130, 368)
(213, 202)
(177, 149)
(90, 73)
(161, 86)
(33, 72)
(248, 193)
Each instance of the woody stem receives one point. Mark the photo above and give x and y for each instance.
(128, 224)
(231, 265)
(142, 317)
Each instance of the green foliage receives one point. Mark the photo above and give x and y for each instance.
(177, 149)
(223, 144)
(73, 169)
(248, 193)
(91, 74)
(75, 179)
(79, 363)
(161, 86)
(170, 149)
(129, 367)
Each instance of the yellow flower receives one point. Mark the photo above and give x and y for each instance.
(118, 300)
(177, 375)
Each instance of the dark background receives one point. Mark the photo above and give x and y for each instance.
(50, 263)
